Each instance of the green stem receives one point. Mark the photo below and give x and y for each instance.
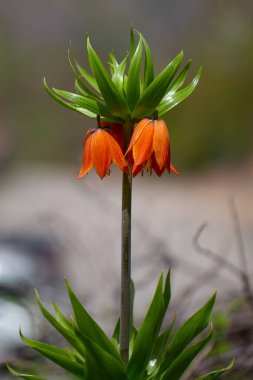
(126, 253)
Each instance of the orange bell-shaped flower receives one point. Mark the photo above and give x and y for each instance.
(149, 148)
(101, 148)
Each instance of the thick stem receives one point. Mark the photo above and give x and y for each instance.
(126, 254)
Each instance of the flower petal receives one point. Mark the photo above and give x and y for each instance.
(87, 164)
(161, 142)
(159, 171)
(173, 169)
(142, 148)
(117, 155)
(100, 152)
(137, 132)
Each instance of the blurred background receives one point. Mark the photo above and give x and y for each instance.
(52, 225)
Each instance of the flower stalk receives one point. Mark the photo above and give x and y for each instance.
(126, 253)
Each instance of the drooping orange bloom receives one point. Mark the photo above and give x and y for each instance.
(101, 148)
(149, 148)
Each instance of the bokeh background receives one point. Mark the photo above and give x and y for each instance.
(53, 225)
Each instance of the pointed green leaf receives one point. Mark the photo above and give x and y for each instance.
(132, 42)
(173, 99)
(152, 96)
(214, 374)
(149, 330)
(84, 102)
(167, 291)
(60, 317)
(23, 375)
(119, 76)
(180, 79)
(190, 329)
(182, 362)
(101, 365)
(111, 95)
(83, 86)
(88, 327)
(133, 82)
(162, 341)
(113, 63)
(68, 333)
(89, 78)
(56, 355)
(75, 108)
(148, 66)
(115, 334)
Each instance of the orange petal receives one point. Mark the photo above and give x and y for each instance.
(100, 152)
(87, 164)
(159, 171)
(173, 169)
(142, 148)
(137, 132)
(117, 155)
(161, 142)
(136, 169)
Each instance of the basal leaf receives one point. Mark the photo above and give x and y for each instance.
(111, 95)
(56, 355)
(23, 375)
(182, 362)
(102, 365)
(215, 374)
(149, 330)
(152, 96)
(88, 327)
(161, 342)
(133, 82)
(167, 291)
(68, 333)
(190, 329)
(173, 99)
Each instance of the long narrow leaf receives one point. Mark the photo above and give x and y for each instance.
(148, 66)
(133, 82)
(173, 99)
(152, 96)
(182, 362)
(56, 355)
(190, 329)
(113, 63)
(89, 78)
(214, 374)
(132, 42)
(84, 87)
(23, 375)
(147, 334)
(67, 333)
(111, 95)
(88, 327)
(84, 102)
(59, 100)
(101, 364)
(180, 79)
(119, 76)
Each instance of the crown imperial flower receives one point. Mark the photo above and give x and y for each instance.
(102, 146)
(149, 147)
